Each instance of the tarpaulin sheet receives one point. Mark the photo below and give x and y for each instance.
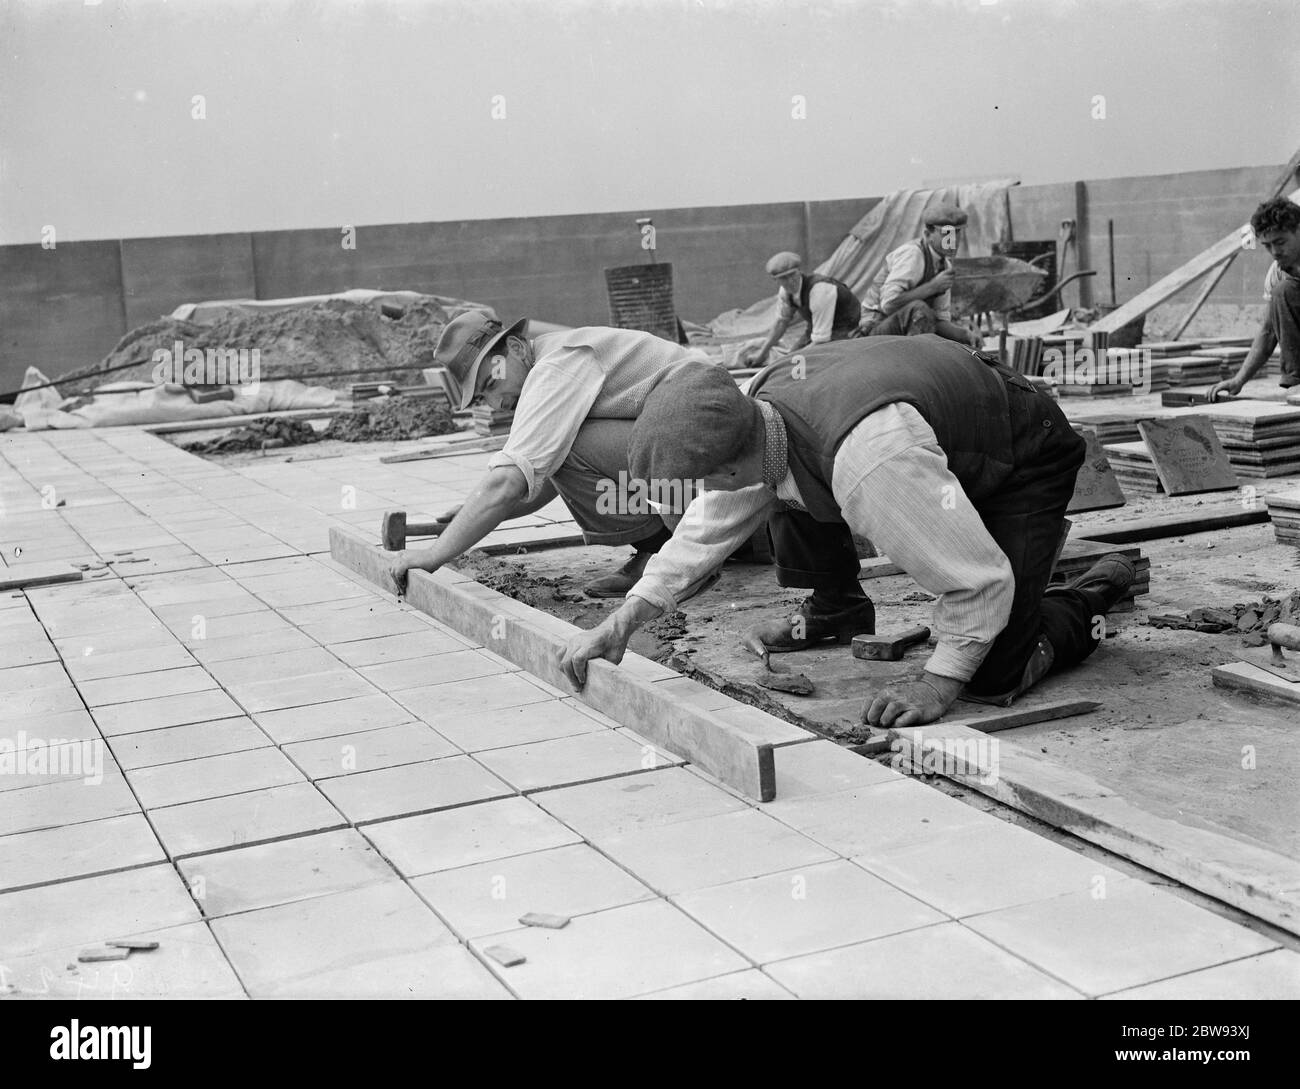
(207, 312)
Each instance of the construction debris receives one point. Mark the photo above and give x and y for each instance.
(1251, 619)
(548, 922)
(386, 418)
(259, 435)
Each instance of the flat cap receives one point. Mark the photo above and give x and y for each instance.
(945, 215)
(689, 425)
(784, 262)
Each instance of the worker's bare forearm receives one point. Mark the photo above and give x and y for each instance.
(1258, 355)
(629, 616)
(920, 292)
(497, 498)
(778, 331)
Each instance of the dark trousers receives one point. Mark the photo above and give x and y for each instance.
(1025, 516)
(914, 319)
(1284, 321)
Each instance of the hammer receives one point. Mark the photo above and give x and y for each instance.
(394, 529)
(881, 648)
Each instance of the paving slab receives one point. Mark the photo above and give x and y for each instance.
(333, 719)
(449, 667)
(226, 648)
(413, 788)
(439, 702)
(316, 688)
(380, 941)
(96, 666)
(67, 802)
(1272, 976)
(488, 898)
(603, 754)
(56, 726)
(169, 682)
(617, 953)
(190, 742)
(1121, 935)
(397, 648)
(93, 909)
(530, 723)
(244, 819)
(823, 767)
(946, 961)
(468, 835)
(751, 985)
(188, 963)
(212, 777)
(346, 754)
(164, 711)
(76, 850)
(237, 672)
(283, 872)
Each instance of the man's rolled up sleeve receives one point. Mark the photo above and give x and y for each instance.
(906, 271)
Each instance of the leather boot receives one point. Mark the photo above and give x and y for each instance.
(622, 580)
(814, 628)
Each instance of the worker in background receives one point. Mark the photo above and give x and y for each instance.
(575, 394)
(829, 309)
(956, 466)
(1276, 224)
(912, 292)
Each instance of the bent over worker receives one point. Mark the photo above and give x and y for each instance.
(955, 466)
(829, 308)
(575, 394)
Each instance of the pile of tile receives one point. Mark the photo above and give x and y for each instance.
(1284, 510)
(1186, 370)
(1262, 439)
(1110, 426)
(1080, 554)
(1133, 468)
(490, 421)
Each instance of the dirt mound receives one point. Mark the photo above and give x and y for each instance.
(258, 435)
(392, 418)
(337, 334)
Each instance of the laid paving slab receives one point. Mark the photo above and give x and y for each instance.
(94, 666)
(333, 719)
(67, 802)
(802, 911)
(170, 682)
(235, 672)
(227, 648)
(316, 688)
(160, 712)
(706, 851)
(823, 767)
(618, 807)
(413, 788)
(212, 777)
(36, 702)
(751, 985)
(939, 962)
(1273, 976)
(25, 678)
(397, 648)
(93, 909)
(600, 755)
(190, 742)
(346, 754)
(618, 953)
(188, 963)
(449, 667)
(75, 725)
(283, 872)
(76, 850)
(380, 941)
(524, 725)
(439, 702)
(465, 836)
(236, 820)
(1133, 934)
(489, 898)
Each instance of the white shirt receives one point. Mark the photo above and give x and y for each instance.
(905, 269)
(821, 301)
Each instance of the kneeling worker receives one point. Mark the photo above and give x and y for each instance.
(957, 468)
(575, 394)
(829, 308)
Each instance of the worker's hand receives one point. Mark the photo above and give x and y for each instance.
(1230, 386)
(409, 559)
(601, 642)
(943, 282)
(911, 703)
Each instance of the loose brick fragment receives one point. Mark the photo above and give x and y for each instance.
(504, 955)
(550, 922)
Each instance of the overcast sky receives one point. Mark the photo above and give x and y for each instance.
(333, 113)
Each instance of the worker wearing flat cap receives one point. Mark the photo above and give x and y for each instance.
(575, 394)
(912, 292)
(958, 468)
(829, 308)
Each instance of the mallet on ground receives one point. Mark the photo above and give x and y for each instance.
(884, 648)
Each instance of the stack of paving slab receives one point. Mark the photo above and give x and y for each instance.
(1080, 554)
(1136, 472)
(1284, 510)
(1187, 370)
(1230, 359)
(1111, 427)
(1262, 438)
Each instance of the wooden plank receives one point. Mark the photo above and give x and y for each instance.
(477, 445)
(999, 719)
(1244, 677)
(218, 423)
(1205, 520)
(1183, 276)
(878, 567)
(1188, 456)
(1095, 488)
(1260, 882)
(17, 576)
(534, 640)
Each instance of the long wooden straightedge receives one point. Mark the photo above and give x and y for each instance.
(19, 575)
(651, 699)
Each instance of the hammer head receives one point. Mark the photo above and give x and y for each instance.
(392, 530)
(884, 648)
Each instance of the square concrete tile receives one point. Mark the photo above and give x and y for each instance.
(93, 909)
(468, 835)
(1134, 934)
(450, 666)
(752, 985)
(878, 819)
(601, 755)
(189, 742)
(397, 648)
(25, 678)
(90, 667)
(437, 703)
(616, 807)
(188, 963)
(212, 777)
(76, 850)
(334, 719)
(519, 725)
(268, 666)
(251, 628)
(274, 695)
(1274, 975)
(413, 788)
(52, 729)
(141, 686)
(379, 941)
(489, 898)
(618, 953)
(351, 628)
(938, 962)
(410, 743)
(283, 872)
(710, 851)
(823, 767)
(237, 820)
(804, 910)
(230, 648)
(68, 801)
(983, 869)
(40, 701)
(159, 713)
